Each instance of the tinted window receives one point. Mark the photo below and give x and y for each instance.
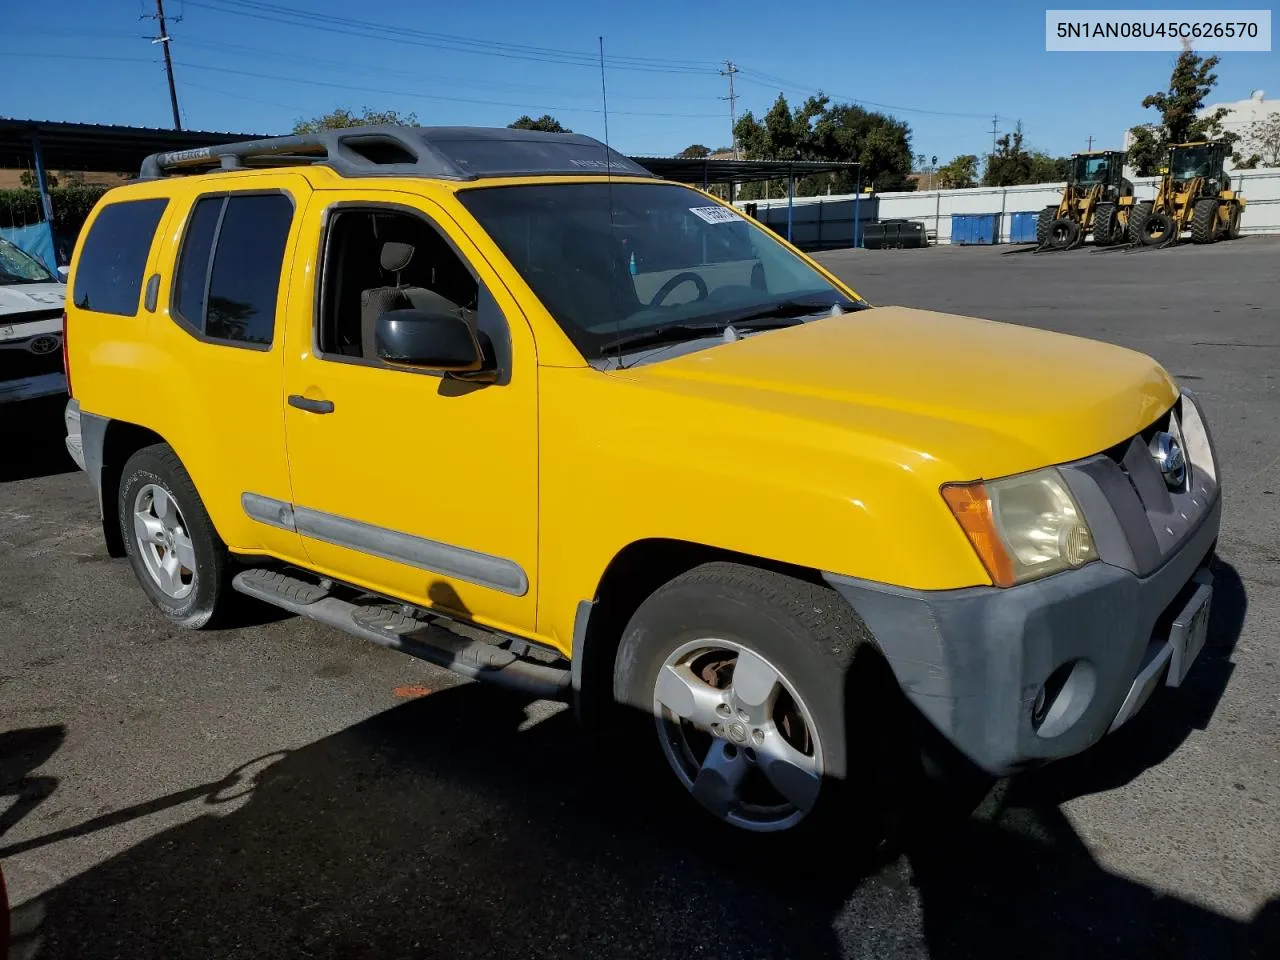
(193, 266)
(114, 256)
(236, 300)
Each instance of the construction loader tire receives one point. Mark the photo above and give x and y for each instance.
(1105, 226)
(1138, 220)
(1063, 234)
(1045, 218)
(1157, 230)
(1204, 220)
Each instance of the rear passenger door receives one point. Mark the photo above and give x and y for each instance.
(217, 385)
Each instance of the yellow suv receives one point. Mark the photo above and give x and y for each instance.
(506, 401)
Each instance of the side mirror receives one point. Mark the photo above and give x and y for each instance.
(430, 339)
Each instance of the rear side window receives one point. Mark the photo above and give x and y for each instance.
(114, 257)
(229, 270)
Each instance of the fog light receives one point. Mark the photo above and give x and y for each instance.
(1063, 698)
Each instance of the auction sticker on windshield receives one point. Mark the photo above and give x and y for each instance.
(715, 214)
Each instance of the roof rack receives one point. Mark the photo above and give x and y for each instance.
(446, 153)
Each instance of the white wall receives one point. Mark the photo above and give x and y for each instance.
(1261, 188)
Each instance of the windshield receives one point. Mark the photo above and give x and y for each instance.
(668, 256)
(1092, 169)
(17, 266)
(1190, 162)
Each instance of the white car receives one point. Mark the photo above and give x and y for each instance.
(31, 301)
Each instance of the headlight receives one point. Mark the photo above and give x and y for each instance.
(1022, 527)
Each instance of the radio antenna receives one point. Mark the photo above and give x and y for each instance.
(608, 180)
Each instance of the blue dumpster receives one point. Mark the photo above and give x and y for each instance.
(974, 228)
(1022, 228)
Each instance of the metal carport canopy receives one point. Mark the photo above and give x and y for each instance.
(708, 171)
(97, 147)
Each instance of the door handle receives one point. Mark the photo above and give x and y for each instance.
(311, 406)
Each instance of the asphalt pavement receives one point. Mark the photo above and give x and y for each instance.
(277, 789)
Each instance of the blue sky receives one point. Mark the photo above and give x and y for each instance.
(255, 66)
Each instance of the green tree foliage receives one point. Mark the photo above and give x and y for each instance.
(959, 173)
(1191, 81)
(340, 118)
(28, 179)
(695, 151)
(1013, 163)
(71, 206)
(546, 122)
(820, 130)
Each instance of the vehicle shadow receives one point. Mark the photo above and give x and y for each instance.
(31, 433)
(451, 827)
(1166, 721)
(22, 752)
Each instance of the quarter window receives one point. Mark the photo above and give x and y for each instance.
(114, 256)
(233, 298)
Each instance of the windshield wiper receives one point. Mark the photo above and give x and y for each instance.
(790, 311)
(665, 333)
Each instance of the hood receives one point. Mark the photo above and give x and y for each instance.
(31, 297)
(981, 398)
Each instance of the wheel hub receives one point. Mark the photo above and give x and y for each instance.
(737, 735)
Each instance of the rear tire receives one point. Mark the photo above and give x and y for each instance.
(1104, 225)
(1233, 228)
(1138, 220)
(176, 554)
(780, 734)
(1157, 229)
(1046, 217)
(1204, 220)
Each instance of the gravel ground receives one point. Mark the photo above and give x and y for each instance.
(277, 789)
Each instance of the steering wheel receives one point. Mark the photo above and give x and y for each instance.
(687, 277)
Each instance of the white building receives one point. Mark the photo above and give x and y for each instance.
(1243, 115)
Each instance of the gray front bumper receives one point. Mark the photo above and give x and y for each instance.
(974, 660)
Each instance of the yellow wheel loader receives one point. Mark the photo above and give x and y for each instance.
(1194, 195)
(1097, 200)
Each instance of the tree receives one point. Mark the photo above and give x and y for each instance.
(546, 123)
(1264, 140)
(695, 151)
(1047, 169)
(1013, 163)
(28, 179)
(340, 118)
(820, 130)
(1180, 120)
(960, 173)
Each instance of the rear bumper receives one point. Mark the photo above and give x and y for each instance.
(974, 661)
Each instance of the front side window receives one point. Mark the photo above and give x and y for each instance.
(1191, 163)
(611, 261)
(114, 256)
(1092, 169)
(233, 298)
(18, 266)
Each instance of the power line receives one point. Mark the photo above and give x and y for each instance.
(769, 80)
(396, 33)
(259, 53)
(432, 96)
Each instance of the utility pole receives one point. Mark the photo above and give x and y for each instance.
(728, 71)
(1090, 150)
(995, 129)
(163, 40)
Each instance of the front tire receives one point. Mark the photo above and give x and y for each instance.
(1138, 220)
(1204, 220)
(742, 676)
(176, 554)
(1105, 225)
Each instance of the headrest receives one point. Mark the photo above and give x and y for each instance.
(396, 256)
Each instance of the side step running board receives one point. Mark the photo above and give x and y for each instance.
(389, 628)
